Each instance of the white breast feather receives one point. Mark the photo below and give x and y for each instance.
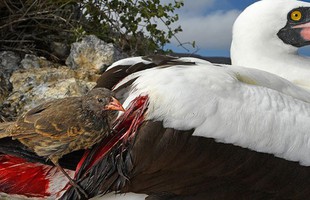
(270, 116)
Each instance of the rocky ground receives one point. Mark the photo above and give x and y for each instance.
(26, 82)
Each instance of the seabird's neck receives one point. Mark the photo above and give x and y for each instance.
(282, 60)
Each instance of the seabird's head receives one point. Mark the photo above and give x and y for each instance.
(282, 25)
(296, 32)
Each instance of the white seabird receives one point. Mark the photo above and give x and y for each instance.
(267, 35)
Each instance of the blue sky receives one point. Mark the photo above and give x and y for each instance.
(209, 24)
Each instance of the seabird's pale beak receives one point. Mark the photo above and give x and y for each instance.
(305, 30)
(114, 105)
(306, 25)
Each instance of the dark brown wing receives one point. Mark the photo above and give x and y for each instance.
(112, 76)
(56, 119)
(171, 164)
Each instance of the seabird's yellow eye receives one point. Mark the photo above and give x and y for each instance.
(296, 15)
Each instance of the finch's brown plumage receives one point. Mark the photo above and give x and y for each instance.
(61, 126)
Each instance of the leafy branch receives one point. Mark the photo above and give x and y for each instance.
(132, 25)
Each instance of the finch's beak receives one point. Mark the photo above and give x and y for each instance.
(114, 105)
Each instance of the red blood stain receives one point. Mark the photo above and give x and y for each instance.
(18, 176)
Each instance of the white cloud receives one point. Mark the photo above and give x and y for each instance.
(210, 30)
(213, 31)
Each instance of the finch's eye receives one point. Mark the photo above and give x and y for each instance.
(100, 100)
